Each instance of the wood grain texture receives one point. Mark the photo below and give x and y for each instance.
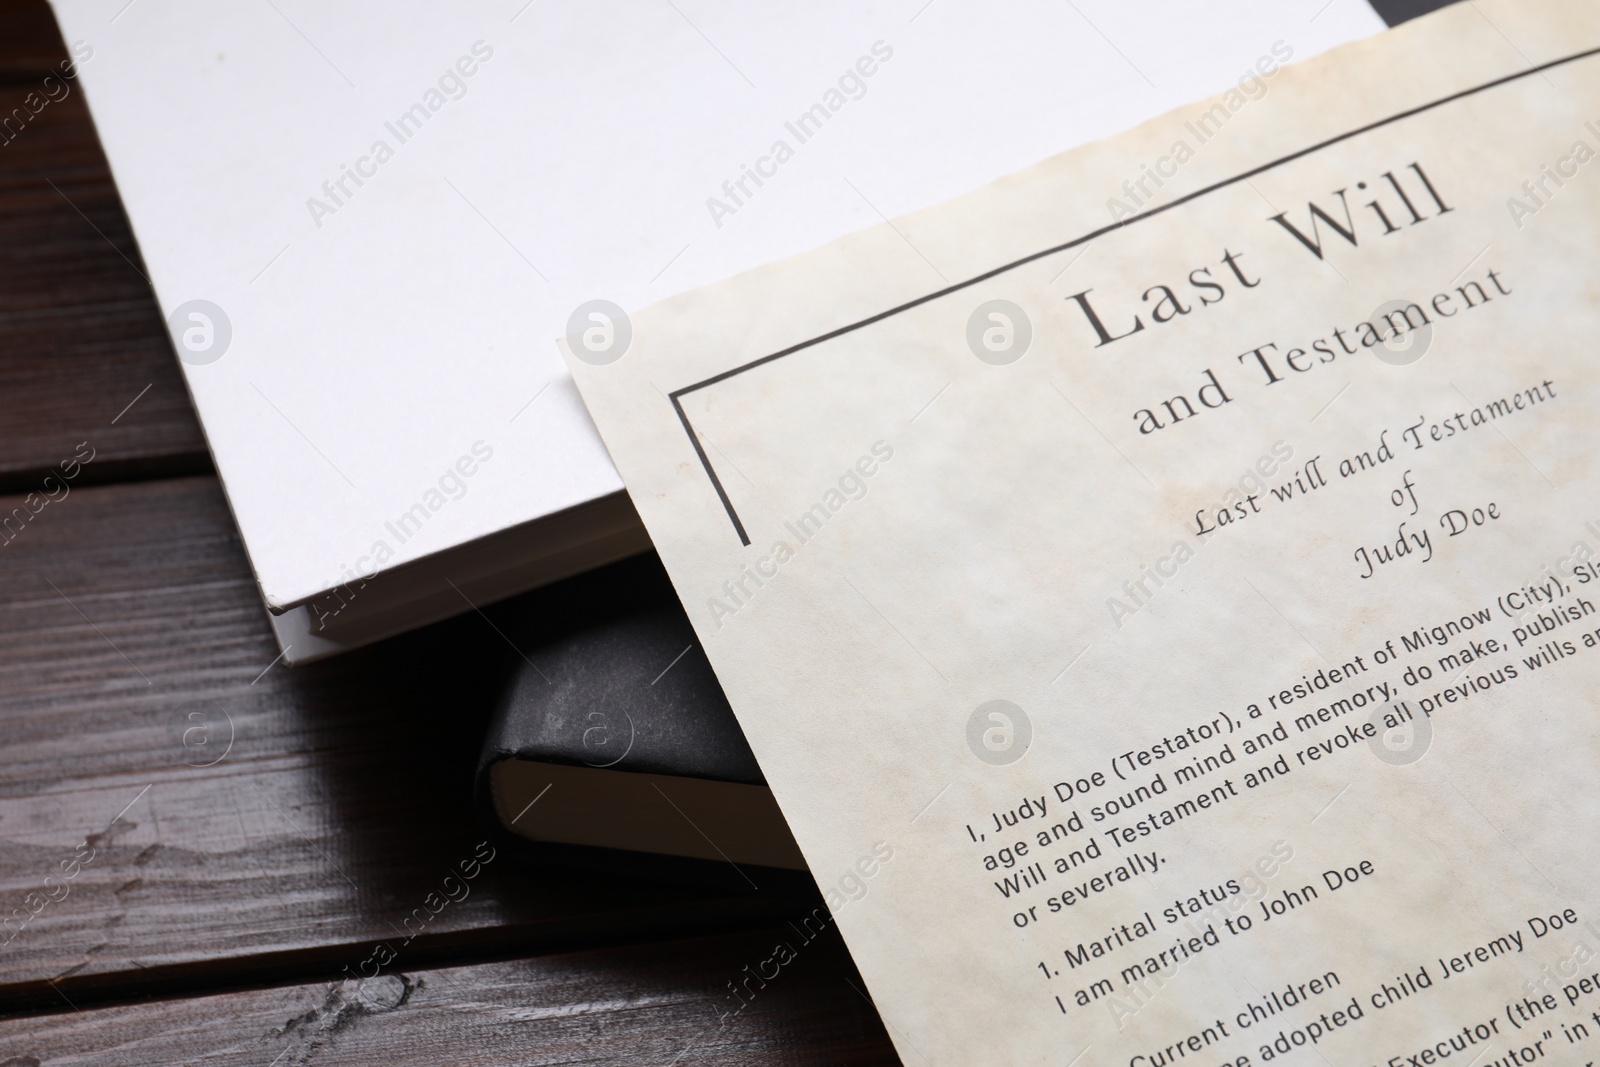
(80, 333)
(30, 44)
(658, 1004)
(133, 646)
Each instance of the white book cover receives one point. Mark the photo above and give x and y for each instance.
(366, 223)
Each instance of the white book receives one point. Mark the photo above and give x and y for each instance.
(366, 223)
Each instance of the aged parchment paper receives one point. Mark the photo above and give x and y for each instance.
(1160, 586)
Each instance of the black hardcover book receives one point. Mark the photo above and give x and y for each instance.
(612, 742)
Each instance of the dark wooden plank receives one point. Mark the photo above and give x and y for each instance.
(129, 624)
(80, 332)
(657, 1004)
(30, 44)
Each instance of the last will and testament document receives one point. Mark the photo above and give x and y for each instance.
(1161, 587)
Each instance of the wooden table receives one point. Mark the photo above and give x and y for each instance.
(166, 898)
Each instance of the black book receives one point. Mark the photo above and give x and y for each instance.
(612, 742)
